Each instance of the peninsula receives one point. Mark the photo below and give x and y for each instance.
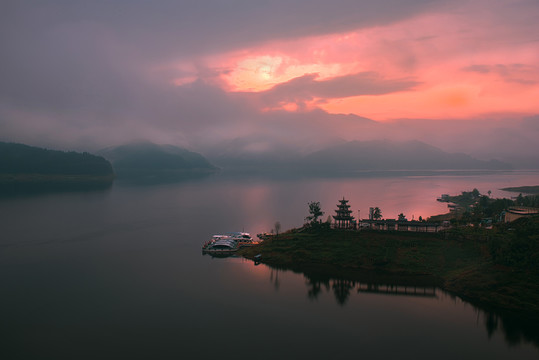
(496, 266)
(523, 189)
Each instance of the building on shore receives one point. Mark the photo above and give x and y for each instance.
(403, 225)
(517, 212)
(343, 216)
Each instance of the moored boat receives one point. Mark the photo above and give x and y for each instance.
(220, 244)
(243, 238)
(227, 243)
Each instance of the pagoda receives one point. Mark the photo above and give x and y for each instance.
(343, 219)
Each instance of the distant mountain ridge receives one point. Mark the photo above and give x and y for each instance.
(145, 159)
(353, 156)
(392, 155)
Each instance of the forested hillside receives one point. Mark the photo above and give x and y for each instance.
(24, 159)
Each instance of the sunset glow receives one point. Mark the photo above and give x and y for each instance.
(461, 70)
(262, 72)
(360, 141)
(299, 74)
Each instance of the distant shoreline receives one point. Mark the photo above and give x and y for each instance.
(523, 189)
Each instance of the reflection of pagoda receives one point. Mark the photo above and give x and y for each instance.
(343, 219)
(341, 289)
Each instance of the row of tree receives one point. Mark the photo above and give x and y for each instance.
(315, 212)
(486, 207)
(24, 159)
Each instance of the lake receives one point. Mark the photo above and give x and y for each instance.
(120, 274)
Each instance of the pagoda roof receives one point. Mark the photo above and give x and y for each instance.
(337, 217)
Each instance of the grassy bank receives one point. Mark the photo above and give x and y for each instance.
(456, 263)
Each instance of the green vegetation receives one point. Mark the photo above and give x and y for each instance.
(148, 161)
(376, 213)
(27, 168)
(24, 159)
(497, 268)
(315, 212)
(473, 207)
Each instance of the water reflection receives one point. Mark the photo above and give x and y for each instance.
(274, 278)
(21, 190)
(143, 179)
(516, 329)
(342, 288)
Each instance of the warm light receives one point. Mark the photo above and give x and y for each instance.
(262, 72)
(456, 78)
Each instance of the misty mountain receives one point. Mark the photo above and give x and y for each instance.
(392, 155)
(30, 169)
(345, 157)
(24, 159)
(145, 159)
(254, 153)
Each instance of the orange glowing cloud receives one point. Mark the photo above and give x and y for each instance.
(460, 69)
(262, 72)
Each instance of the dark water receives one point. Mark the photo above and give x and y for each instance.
(119, 274)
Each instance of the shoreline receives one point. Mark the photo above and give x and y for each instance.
(461, 268)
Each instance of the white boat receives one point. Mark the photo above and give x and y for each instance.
(243, 238)
(220, 244)
(227, 243)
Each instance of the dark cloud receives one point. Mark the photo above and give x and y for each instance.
(308, 87)
(89, 74)
(517, 73)
(483, 69)
(170, 27)
(82, 69)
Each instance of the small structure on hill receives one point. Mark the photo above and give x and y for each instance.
(404, 225)
(343, 218)
(516, 212)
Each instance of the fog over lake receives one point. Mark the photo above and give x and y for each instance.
(288, 102)
(120, 274)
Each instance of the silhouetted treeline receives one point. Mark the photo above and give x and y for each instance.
(479, 207)
(24, 159)
(530, 200)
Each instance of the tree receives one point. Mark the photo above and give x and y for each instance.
(377, 213)
(402, 217)
(277, 227)
(314, 211)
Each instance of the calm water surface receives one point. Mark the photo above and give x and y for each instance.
(119, 274)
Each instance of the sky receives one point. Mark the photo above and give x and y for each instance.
(462, 75)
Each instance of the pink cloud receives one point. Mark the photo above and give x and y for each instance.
(473, 60)
(309, 87)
